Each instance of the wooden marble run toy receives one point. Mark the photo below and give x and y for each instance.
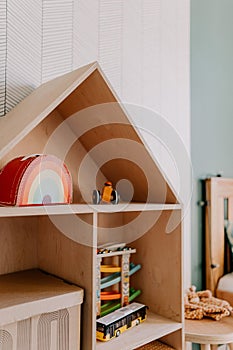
(108, 195)
(116, 275)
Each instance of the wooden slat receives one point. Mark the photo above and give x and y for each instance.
(217, 189)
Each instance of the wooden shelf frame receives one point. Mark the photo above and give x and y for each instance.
(70, 117)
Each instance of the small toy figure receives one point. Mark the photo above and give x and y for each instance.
(108, 194)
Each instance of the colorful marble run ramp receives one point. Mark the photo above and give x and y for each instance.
(116, 275)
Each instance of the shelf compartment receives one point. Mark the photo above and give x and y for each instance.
(153, 328)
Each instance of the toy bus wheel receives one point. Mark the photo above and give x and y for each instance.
(137, 322)
(118, 333)
(115, 197)
(96, 197)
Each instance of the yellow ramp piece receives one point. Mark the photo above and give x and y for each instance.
(110, 268)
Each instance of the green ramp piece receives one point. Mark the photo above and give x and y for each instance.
(116, 277)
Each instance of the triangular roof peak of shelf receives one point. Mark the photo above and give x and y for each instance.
(68, 94)
(37, 106)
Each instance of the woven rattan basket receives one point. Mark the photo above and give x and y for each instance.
(155, 345)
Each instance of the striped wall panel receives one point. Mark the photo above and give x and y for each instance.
(151, 54)
(2, 55)
(23, 49)
(85, 32)
(132, 51)
(110, 40)
(57, 38)
(140, 44)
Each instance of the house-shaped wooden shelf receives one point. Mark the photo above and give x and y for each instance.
(78, 118)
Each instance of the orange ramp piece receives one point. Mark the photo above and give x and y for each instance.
(110, 295)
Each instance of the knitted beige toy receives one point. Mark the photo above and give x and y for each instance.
(203, 304)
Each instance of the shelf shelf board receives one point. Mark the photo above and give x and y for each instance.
(153, 328)
(127, 207)
(64, 209)
(38, 210)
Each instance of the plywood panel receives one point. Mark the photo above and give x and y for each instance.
(92, 91)
(160, 277)
(18, 244)
(72, 261)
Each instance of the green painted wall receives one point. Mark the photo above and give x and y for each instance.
(211, 105)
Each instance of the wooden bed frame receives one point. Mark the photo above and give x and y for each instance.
(219, 206)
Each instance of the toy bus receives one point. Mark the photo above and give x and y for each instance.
(117, 322)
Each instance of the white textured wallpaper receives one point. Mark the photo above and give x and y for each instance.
(57, 38)
(23, 56)
(142, 45)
